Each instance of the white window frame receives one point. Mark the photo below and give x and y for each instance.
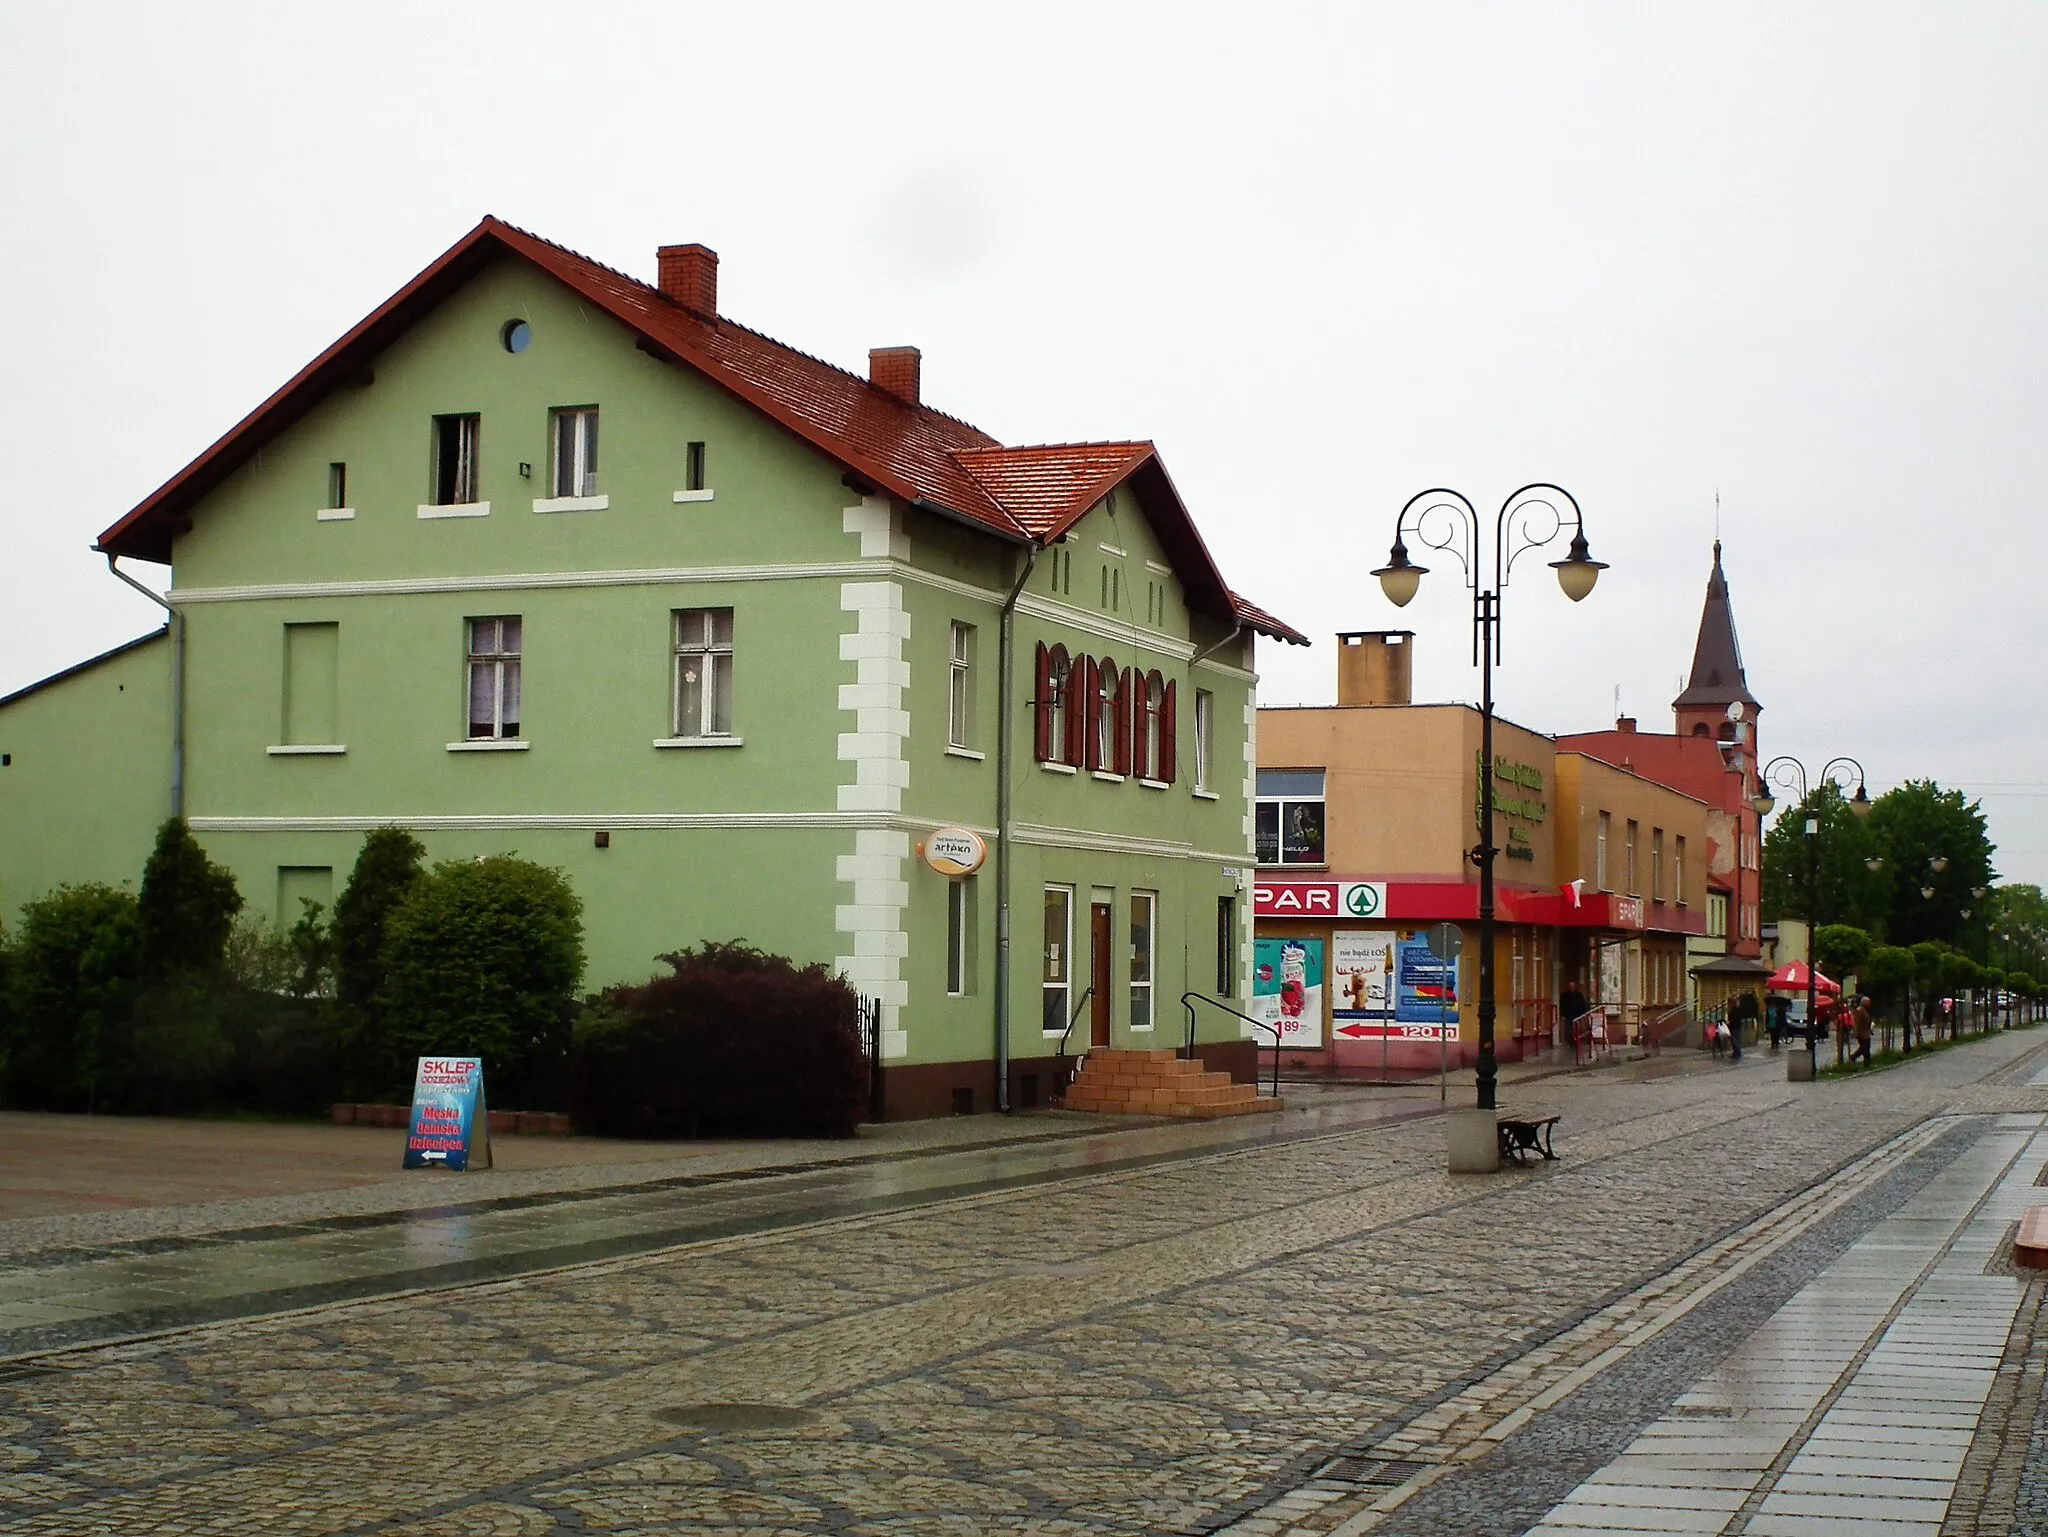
(1678, 869)
(1603, 833)
(714, 660)
(1205, 710)
(1152, 731)
(960, 686)
(1628, 854)
(500, 665)
(1144, 992)
(1656, 864)
(1064, 988)
(464, 477)
(959, 925)
(575, 466)
(1108, 684)
(1282, 802)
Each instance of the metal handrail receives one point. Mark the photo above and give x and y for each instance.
(1653, 1033)
(1060, 1057)
(1190, 999)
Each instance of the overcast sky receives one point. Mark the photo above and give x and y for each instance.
(1324, 257)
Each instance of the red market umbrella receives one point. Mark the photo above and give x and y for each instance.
(1791, 978)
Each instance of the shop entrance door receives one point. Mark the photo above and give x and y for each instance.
(1098, 973)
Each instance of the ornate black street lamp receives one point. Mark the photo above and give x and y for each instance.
(1790, 772)
(1442, 519)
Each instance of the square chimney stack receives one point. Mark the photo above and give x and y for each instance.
(1375, 667)
(688, 274)
(897, 370)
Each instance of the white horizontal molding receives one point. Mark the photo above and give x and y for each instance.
(1158, 568)
(1052, 767)
(1155, 784)
(649, 821)
(306, 750)
(491, 744)
(571, 503)
(1241, 674)
(1106, 777)
(699, 741)
(1110, 549)
(1205, 795)
(520, 581)
(455, 509)
(965, 752)
(334, 514)
(692, 496)
(1114, 843)
(1126, 636)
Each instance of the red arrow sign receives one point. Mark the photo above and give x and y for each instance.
(1355, 1031)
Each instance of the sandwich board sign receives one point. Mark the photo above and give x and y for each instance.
(449, 1127)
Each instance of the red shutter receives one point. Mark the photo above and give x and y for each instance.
(1141, 764)
(1041, 706)
(1131, 678)
(1080, 709)
(1169, 757)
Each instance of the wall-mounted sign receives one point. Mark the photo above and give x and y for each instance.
(955, 852)
(1294, 899)
(1363, 899)
(450, 1127)
(1522, 797)
(1626, 912)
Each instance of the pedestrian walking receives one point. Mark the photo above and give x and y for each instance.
(1862, 1028)
(1571, 1009)
(1775, 1012)
(1743, 1012)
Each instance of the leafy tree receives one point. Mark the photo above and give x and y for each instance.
(1846, 888)
(1888, 974)
(1841, 949)
(1915, 825)
(387, 867)
(2017, 924)
(76, 962)
(1927, 979)
(482, 959)
(187, 906)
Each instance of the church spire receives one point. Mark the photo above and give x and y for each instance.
(1717, 679)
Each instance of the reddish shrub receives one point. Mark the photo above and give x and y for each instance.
(736, 1043)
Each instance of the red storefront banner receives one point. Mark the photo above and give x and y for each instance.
(1413, 902)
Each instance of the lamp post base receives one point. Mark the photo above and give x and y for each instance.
(1798, 1066)
(1472, 1140)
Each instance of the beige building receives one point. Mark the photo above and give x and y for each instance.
(1367, 812)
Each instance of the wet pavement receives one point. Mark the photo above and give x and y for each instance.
(1304, 1328)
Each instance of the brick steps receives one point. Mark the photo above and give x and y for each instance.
(1159, 1083)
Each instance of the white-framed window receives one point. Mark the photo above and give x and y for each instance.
(1717, 915)
(960, 687)
(576, 451)
(1602, 831)
(1678, 870)
(1057, 978)
(703, 672)
(1289, 820)
(1205, 718)
(959, 936)
(1107, 681)
(494, 677)
(455, 459)
(1656, 864)
(1149, 730)
(337, 486)
(1628, 855)
(1144, 908)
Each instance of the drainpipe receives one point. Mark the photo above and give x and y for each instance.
(1006, 668)
(176, 625)
(1209, 651)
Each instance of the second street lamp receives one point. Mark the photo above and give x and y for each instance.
(1442, 519)
(1791, 771)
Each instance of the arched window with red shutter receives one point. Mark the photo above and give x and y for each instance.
(1042, 705)
(1129, 684)
(1148, 729)
(1169, 747)
(1077, 698)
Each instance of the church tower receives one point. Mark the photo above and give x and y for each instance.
(1717, 679)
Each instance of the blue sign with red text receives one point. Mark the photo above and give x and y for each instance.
(450, 1128)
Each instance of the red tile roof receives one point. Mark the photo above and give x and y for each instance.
(911, 451)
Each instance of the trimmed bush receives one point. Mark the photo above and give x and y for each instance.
(481, 959)
(75, 965)
(187, 907)
(736, 1042)
(388, 866)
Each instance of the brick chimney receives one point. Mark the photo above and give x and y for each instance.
(689, 275)
(1375, 667)
(1625, 725)
(896, 370)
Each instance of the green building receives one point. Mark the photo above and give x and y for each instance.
(542, 558)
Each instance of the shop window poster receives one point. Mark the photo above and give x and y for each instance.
(1287, 990)
(1426, 991)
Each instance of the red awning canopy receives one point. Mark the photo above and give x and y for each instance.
(1791, 978)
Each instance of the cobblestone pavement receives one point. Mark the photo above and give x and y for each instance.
(1319, 1335)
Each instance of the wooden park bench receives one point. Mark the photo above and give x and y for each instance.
(1526, 1131)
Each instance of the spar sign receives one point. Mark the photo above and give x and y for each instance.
(1319, 899)
(449, 1127)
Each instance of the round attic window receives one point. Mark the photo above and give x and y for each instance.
(516, 335)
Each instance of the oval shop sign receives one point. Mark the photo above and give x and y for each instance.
(955, 852)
